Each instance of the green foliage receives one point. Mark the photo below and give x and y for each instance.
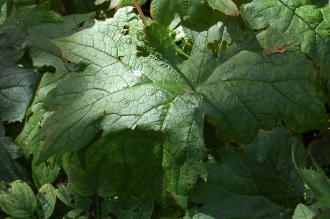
(194, 109)
(259, 180)
(303, 212)
(19, 201)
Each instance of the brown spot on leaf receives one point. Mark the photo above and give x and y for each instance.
(266, 52)
(69, 60)
(280, 50)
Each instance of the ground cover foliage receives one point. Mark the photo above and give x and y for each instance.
(194, 109)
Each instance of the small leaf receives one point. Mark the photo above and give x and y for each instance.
(46, 172)
(19, 201)
(226, 6)
(46, 199)
(319, 183)
(9, 169)
(70, 198)
(316, 180)
(303, 212)
(120, 3)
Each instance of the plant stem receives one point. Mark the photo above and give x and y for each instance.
(138, 7)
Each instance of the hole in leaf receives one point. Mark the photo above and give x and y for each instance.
(13, 129)
(327, 108)
(48, 68)
(120, 58)
(142, 52)
(212, 143)
(184, 48)
(310, 136)
(215, 48)
(125, 30)
(81, 24)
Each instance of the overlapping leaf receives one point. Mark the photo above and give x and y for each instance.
(107, 177)
(258, 180)
(9, 168)
(290, 22)
(18, 84)
(45, 53)
(46, 199)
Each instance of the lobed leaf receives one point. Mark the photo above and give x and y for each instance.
(302, 23)
(128, 82)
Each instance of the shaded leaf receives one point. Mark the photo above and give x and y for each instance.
(258, 180)
(111, 161)
(136, 207)
(9, 168)
(164, 11)
(17, 87)
(70, 198)
(316, 180)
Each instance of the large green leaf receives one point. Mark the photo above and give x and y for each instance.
(19, 201)
(258, 180)
(127, 83)
(301, 22)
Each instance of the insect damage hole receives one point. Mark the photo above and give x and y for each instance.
(125, 30)
(142, 52)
